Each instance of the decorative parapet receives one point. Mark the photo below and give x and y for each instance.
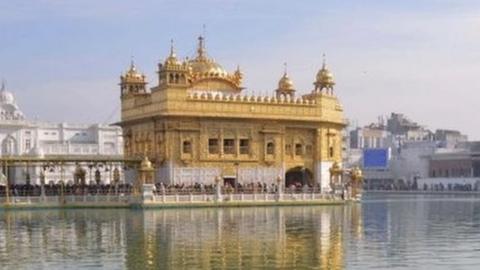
(251, 99)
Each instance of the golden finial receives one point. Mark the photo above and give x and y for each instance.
(132, 64)
(238, 75)
(201, 44)
(238, 70)
(324, 61)
(172, 49)
(284, 68)
(3, 85)
(201, 47)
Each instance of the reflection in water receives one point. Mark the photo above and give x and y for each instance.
(238, 237)
(265, 237)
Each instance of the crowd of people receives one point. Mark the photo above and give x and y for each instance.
(425, 187)
(59, 189)
(249, 188)
(160, 188)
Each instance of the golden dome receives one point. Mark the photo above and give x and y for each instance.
(357, 173)
(207, 67)
(133, 74)
(285, 83)
(203, 67)
(172, 58)
(324, 77)
(146, 164)
(335, 169)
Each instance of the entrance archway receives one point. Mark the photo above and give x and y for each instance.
(79, 176)
(298, 176)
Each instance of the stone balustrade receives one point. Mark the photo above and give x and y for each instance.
(251, 99)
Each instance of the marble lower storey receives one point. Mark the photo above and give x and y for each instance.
(171, 174)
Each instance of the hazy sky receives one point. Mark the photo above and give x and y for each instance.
(63, 59)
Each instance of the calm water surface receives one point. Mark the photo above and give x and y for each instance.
(385, 232)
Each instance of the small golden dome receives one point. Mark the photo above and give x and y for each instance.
(357, 173)
(172, 58)
(285, 83)
(146, 164)
(335, 169)
(133, 75)
(324, 77)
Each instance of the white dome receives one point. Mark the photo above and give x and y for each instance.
(8, 107)
(6, 97)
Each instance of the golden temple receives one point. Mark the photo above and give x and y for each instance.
(198, 124)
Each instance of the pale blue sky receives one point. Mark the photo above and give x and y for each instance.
(63, 58)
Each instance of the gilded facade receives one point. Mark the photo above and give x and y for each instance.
(198, 123)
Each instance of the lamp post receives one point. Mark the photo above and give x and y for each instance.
(279, 188)
(236, 175)
(7, 187)
(42, 182)
(218, 189)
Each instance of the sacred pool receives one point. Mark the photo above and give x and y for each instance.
(382, 232)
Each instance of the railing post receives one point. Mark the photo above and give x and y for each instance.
(279, 189)
(218, 189)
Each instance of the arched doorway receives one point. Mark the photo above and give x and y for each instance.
(79, 176)
(298, 176)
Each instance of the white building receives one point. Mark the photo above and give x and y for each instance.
(22, 137)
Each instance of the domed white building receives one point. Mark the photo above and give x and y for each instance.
(22, 137)
(8, 107)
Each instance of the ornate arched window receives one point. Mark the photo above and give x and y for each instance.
(187, 147)
(270, 148)
(298, 149)
(8, 146)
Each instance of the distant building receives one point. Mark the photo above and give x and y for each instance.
(372, 136)
(22, 137)
(413, 150)
(450, 138)
(460, 166)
